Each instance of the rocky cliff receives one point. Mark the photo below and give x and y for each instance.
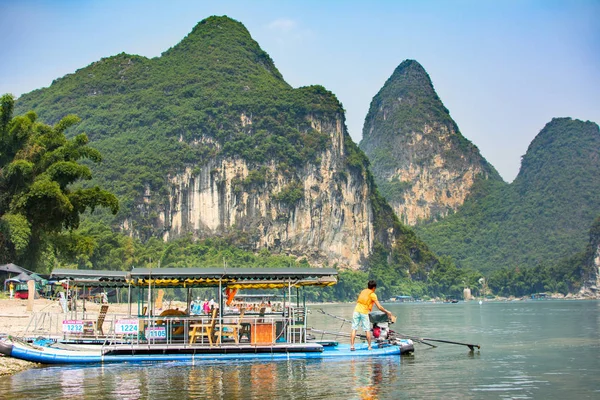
(591, 267)
(208, 139)
(330, 219)
(422, 164)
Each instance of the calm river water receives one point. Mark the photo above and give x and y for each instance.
(530, 349)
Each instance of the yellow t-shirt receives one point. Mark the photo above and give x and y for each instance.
(365, 301)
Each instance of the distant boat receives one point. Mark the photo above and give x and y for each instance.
(451, 301)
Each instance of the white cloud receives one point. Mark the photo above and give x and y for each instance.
(283, 25)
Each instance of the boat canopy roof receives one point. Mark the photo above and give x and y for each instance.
(90, 277)
(234, 278)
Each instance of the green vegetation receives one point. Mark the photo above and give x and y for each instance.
(38, 167)
(395, 188)
(290, 194)
(543, 216)
(567, 275)
(419, 104)
(115, 251)
(215, 94)
(391, 269)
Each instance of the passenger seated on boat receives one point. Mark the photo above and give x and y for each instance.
(204, 328)
(261, 314)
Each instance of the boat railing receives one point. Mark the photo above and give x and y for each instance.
(194, 330)
(261, 328)
(44, 324)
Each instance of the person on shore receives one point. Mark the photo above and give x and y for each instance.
(12, 289)
(364, 305)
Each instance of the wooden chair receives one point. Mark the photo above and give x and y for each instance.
(204, 329)
(95, 328)
(233, 329)
(101, 318)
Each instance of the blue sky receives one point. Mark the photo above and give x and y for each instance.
(503, 68)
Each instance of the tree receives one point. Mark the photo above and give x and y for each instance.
(38, 167)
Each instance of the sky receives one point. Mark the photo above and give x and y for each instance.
(502, 68)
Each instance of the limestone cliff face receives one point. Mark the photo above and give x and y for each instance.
(433, 187)
(422, 164)
(591, 269)
(596, 265)
(332, 221)
(209, 140)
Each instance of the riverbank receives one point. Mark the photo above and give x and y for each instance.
(15, 319)
(11, 366)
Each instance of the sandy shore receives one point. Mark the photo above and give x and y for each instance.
(15, 320)
(9, 365)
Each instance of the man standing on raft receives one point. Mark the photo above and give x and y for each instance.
(360, 318)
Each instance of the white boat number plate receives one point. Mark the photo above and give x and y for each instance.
(126, 326)
(156, 333)
(72, 326)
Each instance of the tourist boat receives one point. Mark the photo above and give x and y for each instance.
(146, 334)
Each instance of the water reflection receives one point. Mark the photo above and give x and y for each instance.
(127, 385)
(263, 379)
(208, 381)
(71, 383)
(368, 378)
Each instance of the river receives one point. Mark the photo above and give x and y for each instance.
(544, 349)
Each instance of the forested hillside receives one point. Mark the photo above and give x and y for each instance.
(422, 164)
(578, 273)
(216, 159)
(540, 218)
(153, 117)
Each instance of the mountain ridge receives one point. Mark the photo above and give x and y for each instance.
(208, 140)
(207, 41)
(421, 162)
(543, 216)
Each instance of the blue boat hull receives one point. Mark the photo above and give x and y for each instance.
(50, 355)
